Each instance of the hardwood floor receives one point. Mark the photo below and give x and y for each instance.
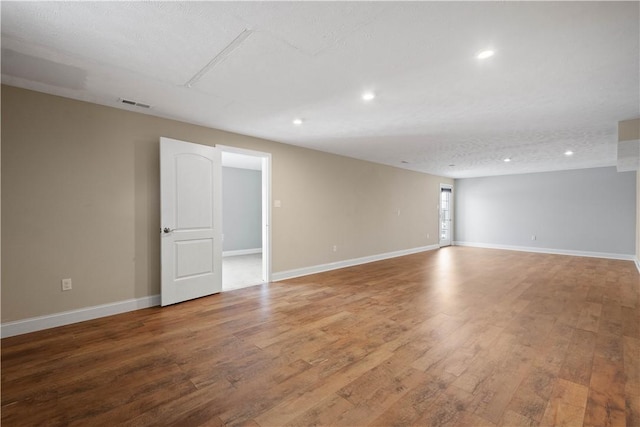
(456, 337)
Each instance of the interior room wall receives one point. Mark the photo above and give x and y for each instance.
(585, 210)
(80, 198)
(629, 130)
(241, 209)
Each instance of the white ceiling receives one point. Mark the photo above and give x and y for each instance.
(563, 75)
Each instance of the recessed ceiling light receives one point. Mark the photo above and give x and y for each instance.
(297, 122)
(568, 153)
(485, 54)
(368, 96)
(507, 159)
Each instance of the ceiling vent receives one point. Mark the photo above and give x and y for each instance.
(134, 103)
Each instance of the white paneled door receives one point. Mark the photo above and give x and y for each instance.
(190, 220)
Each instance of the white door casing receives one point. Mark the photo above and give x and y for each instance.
(190, 219)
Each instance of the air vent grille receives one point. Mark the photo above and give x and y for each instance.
(134, 103)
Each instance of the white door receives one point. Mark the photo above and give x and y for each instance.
(190, 221)
(445, 215)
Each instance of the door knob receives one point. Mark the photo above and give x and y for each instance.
(167, 230)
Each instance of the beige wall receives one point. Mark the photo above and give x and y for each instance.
(80, 198)
(629, 130)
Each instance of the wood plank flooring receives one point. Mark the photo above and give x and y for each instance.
(454, 337)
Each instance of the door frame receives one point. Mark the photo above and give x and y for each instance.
(450, 187)
(266, 203)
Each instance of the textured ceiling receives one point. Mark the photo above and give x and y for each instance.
(563, 75)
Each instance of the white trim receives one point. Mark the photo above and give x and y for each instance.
(305, 271)
(637, 261)
(33, 324)
(242, 252)
(548, 251)
(266, 218)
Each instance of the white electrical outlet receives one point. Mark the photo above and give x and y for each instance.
(533, 237)
(335, 248)
(427, 235)
(66, 285)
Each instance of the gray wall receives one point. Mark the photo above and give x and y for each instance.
(241, 209)
(579, 210)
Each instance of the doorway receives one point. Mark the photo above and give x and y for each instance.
(245, 217)
(446, 205)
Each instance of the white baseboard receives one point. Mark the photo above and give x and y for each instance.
(548, 251)
(290, 274)
(33, 324)
(242, 252)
